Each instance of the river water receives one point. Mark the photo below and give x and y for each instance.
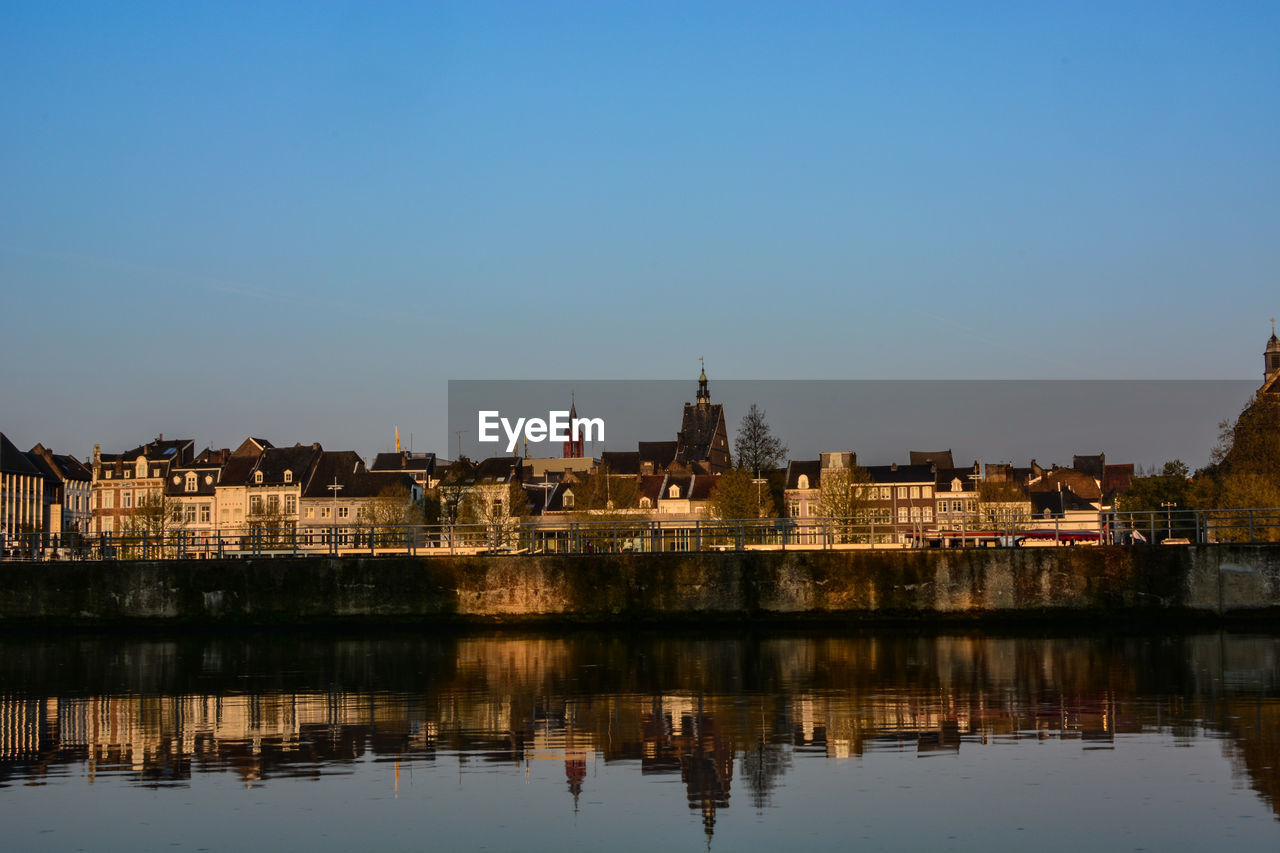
(655, 741)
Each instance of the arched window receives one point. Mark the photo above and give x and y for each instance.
(803, 482)
(257, 476)
(645, 503)
(141, 467)
(567, 500)
(288, 476)
(673, 492)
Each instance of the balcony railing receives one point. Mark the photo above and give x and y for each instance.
(623, 535)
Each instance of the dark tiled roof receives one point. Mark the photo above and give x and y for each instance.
(1057, 503)
(275, 461)
(404, 461)
(941, 458)
(701, 427)
(703, 486)
(964, 475)
(810, 468)
(501, 469)
(14, 461)
(621, 461)
(330, 465)
(209, 457)
(649, 486)
(371, 484)
(238, 470)
(660, 453)
(901, 473)
(1082, 484)
(178, 451)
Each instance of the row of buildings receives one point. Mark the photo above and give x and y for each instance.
(165, 485)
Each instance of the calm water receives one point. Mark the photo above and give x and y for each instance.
(656, 742)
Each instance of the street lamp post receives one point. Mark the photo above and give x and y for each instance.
(1168, 517)
(333, 522)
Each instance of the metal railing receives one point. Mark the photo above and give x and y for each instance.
(629, 535)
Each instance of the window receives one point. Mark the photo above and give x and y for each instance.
(108, 524)
(793, 509)
(567, 500)
(288, 476)
(189, 513)
(902, 493)
(255, 505)
(257, 476)
(926, 491)
(324, 512)
(204, 513)
(902, 515)
(128, 472)
(673, 492)
(311, 512)
(273, 504)
(106, 475)
(915, 493)
(126, 500)
(192, 481)
(343, 512)
(291, 504)
(108, 500)
(142, 468)
(803, 482)
(645, 503)
(155, 472)
(928, 513)
(915, 513)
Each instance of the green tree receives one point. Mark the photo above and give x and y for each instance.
(1154, 491)
(737, 495)
(757, 448)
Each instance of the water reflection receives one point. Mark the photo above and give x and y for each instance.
(729, 717)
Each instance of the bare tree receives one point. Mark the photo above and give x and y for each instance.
(758, 449)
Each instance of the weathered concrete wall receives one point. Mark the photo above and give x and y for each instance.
(854, 585)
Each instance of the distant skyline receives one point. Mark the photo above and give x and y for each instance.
(301, 220)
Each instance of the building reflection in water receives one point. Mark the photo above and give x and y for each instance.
(665, 706)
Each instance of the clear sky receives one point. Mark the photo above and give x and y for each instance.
(300, 220)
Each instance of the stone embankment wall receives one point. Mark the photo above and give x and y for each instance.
(852, 586)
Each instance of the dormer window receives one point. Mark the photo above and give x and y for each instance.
(645, 503)
(673, 492)
(288, 476)
(956, 485)
(803, 482)
(141, 465)
(257, 476)
(192, 481)
(567, 500)
(106, 475)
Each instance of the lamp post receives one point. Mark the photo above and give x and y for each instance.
(1168, 517)
(333, 523)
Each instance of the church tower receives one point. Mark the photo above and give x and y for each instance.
(704, 396)
(1271, 356)
(575, 447)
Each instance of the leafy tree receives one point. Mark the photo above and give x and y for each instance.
(758, 449)
(603, 493)
(737, 495)
(1153, 491)
(842, 500)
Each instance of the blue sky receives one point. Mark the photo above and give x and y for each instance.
(300, 221)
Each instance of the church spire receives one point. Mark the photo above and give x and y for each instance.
(704, 396)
